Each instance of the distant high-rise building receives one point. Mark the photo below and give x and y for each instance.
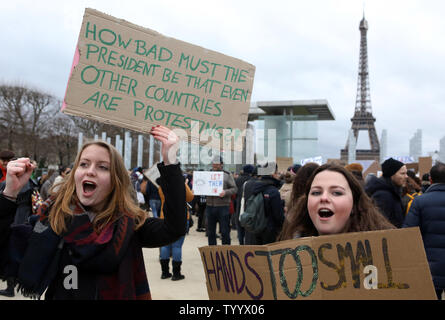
(352, 145)
(363, 119)
(415, 145)
(442, 150)
(384, 146)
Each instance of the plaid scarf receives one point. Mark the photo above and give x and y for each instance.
(113, 255)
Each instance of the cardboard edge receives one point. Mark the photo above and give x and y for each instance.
(76, 60)
(91, 11)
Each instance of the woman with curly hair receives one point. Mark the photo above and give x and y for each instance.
(333, 202)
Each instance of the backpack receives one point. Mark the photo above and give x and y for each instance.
(252, 214)
(410, 201)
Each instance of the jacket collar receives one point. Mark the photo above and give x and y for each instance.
(436, 187)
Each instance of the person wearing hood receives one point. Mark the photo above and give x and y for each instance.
(217, 207)
(269, 185)
(386, 191)
(428, 213)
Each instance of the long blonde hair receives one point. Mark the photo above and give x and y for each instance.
(120, 201)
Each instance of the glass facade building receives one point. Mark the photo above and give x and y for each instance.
(288, 128)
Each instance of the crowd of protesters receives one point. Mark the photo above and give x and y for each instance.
(305, 200)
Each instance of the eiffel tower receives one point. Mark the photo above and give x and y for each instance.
(363, 119)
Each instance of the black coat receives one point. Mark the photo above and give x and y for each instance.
(388, 199)
(154, 232)
(21, 210)
(151, 191)
(273, 208)
(24, 201)
(7, 210)
(428, 213)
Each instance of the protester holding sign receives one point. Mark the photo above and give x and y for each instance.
(333, 258)
(334, 202)
(134, 77)
(217, 209)
(87, 242)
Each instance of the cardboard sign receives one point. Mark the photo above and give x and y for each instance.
(371, 168)
(283, 163)
(425, 165)
(136, 78)
(152, 174)
(404, 159)
(208, 183)
(318, 160)
(364, 265)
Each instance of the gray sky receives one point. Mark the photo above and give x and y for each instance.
(301, 50)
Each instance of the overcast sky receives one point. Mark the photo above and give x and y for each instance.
(301, 50)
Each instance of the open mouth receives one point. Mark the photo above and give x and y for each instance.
(325, 213)
(88, 187)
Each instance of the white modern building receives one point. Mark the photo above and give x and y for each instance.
(291, 125)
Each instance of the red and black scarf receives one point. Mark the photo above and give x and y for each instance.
(113, 256)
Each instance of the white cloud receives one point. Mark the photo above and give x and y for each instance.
(301, 50)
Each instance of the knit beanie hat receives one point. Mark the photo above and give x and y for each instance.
(354, 167)
(248, 168)
(391, 166)
(295, 168)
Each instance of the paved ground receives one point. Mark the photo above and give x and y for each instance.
(193, 287)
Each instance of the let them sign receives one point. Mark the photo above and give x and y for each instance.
(136, 78)
(208, 183)
(364, 265)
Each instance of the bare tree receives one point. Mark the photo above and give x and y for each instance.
(32, 124)
(24, 115)
(63, 138)
(40, 108)
(12, 101)
(92, 127)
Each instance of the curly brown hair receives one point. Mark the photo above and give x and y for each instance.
(365, 215)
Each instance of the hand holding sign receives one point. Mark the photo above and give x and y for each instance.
(383, 264)
(208, 183)
(134, 77)
(169, 141)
